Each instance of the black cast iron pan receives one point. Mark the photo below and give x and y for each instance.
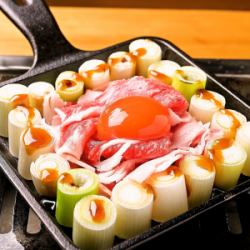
(54, 54)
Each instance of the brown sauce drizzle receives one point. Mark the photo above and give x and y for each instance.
(128, 57)
(31, 115)
(67, 178)
(171, 170)
(235, 122)
(182, 74)
(162, 77)
(174, 169)
(139, 52)
(185, 77)
(20, 100)
(65, 84)
(206, 95)
(23, 100)
(35, 138)
(98, 69)
(49, 175)
(218, 147)
(37, 102)
(205, 163)
(68, 83)
(97, 211)
(77, 77)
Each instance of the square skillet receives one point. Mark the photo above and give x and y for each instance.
(54, 54)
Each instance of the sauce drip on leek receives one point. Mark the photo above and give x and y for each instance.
(139, 52)
(35, 138)
(97, 211)
(207, 95)
(98, 69)
(127, 57)
(205, 163)
(235, 122)
(49, 175)
(20, 100)
(218, 147)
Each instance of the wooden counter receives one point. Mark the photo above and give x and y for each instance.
(200, 33)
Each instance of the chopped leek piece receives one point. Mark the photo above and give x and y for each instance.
(69, 85)
(71, 187)
(34, 141)
(243, 138)
(204, 104)
(45, 171)
(199, 173)
(228, 121)
(37, 92)
(19, 118)
(229, 158)
(122, 65)
(94, 223)
(134, 203)
(170, 194)
(188, 80)
(163, 70)
(95, 73)
(11, 96)
(146, 52)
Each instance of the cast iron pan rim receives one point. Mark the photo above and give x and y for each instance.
(67, 55)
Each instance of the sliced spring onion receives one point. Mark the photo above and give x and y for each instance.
(95, 73)
(188, 80)
(204, 103)
(94, 223)
(45, 171)
(34, 141)
(71, 187)
(229, 158)
(11, 95)
(19, 118)
(146, 52)
(228, 121)
(37, 92)
(199, 174)
(243, 138)
(163, 70)
(122, 65)
(170, 194)
(69, 86)
(134, 203)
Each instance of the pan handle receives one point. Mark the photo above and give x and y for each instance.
(36, 22)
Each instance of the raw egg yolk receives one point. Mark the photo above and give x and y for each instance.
(134, 117)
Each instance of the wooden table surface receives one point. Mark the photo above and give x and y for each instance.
(200, 33)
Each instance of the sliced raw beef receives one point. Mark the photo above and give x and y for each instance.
(113, 160)
(144, 150)
(140, 86)
(136, 86)
(176, 119)
(185, 134)
(89, 97)
(74, 137)
(144, 171)
(72, 112)
(117, 174)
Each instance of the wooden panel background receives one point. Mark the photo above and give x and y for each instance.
(171, 4)
(199, 32)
